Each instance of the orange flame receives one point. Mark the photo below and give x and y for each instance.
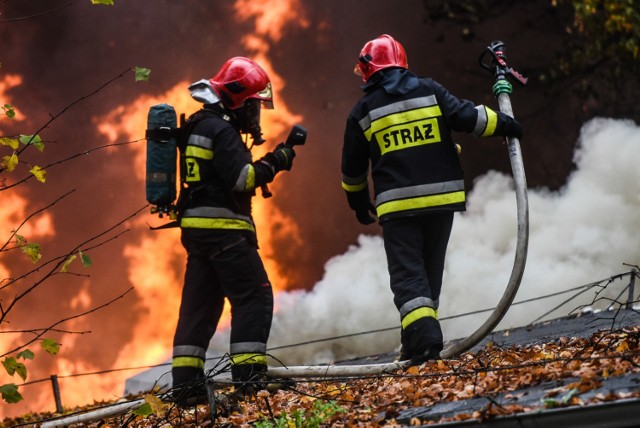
(151, 260)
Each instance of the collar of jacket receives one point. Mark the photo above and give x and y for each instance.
(395, 81)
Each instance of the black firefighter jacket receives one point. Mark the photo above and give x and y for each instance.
(402, 127)
(220, 176)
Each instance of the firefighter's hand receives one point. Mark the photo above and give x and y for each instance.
(511, 128)
(282, 157)
(364, 215)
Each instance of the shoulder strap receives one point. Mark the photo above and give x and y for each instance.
(186, 128)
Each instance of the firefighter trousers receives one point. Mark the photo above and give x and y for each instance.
(415, 247)
(221, 264)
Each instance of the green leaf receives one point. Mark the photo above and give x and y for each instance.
(33, 251)
(9, 111)
(20, 240)
(85, 259)
(21, 369)
(33, 140)
(144, 410)
(26, 355)
(50, 346)
(11, 142)
(10, 393)
(142, 73)
(39, 173)
(107, 2)
(10, 364)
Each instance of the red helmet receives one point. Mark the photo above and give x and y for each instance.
(239, 79)
(380, 53)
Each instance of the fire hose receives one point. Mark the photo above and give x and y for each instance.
(501, 89)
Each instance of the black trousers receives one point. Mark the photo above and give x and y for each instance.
(415, 248)
(222, 264)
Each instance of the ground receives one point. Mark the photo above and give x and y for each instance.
(584, 367)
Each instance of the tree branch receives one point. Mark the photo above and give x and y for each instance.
(50, 328)
(54, 117)
(60, 261)
(86, 152)
(14, 232)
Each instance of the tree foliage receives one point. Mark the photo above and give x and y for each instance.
(603, 31)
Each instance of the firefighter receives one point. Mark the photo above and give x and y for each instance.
(401, 130)
(217, 229)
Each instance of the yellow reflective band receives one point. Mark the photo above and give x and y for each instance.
(415, 315)
(251, 178)
(420, 202)
(187, 362)
(492, 122)
(354, 187)
(238, 359)
(199, 152)
(215, 223)
(402, 119)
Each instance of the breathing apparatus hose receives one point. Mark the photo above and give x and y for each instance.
(501, 89)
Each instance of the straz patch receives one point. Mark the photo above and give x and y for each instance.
(407, 135)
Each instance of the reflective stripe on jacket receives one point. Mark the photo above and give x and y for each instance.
(220, 175)
(401, 129)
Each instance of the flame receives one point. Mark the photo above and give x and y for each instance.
(270, 16)
(9, 81)
(152, 259)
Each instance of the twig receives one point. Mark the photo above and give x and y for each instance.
(14, 232)
(54, 117)
(45, 330)
(86, 152)
(22, 18)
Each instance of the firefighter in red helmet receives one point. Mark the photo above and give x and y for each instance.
(400, 132)
(218, 231)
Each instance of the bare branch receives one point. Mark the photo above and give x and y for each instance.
(36, 330)
(14, 232)
(58, 262)
(22, 18)
(51, 327)
(86, 152)
(11, 281)
(54, 117)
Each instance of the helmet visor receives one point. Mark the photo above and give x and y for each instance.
(266, 96)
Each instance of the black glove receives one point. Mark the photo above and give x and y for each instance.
(511, 127)
(281, 158)
(364, 214)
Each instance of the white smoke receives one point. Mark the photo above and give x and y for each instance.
(579, 234)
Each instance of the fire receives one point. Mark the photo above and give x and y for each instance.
(271, 16)
(153, 257)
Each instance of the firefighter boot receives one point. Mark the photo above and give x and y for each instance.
(421, 341)
(249, 378)
(189, 386)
